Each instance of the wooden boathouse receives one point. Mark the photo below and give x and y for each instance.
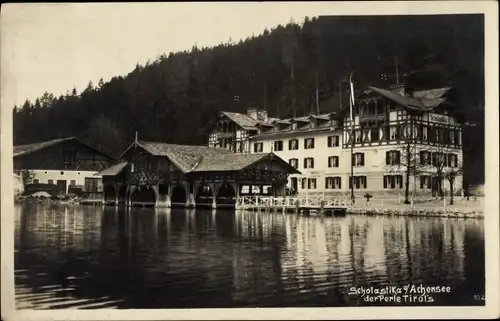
(168, 175)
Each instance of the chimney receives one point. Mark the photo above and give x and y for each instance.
(262, 115)
(398, 88)
(252, 113)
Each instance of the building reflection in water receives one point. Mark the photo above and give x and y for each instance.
(176, 258)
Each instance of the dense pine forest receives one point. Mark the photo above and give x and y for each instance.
(174, 98)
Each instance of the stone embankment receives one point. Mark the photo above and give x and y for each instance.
(437, 208)
(458, 213)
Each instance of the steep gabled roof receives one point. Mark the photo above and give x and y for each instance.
(114, 169)
(408, 102)
(244, 121)
(30, 148)
(22, 150)
(431, 93)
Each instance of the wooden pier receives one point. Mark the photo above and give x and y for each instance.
(327, 206)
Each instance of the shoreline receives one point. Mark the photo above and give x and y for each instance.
(399, 210)
(419, 212)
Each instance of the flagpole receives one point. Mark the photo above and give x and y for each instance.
(351, 103)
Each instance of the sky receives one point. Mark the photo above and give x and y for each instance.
(55, 47)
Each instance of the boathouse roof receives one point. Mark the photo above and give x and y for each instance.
(192, 158)
(236, 162)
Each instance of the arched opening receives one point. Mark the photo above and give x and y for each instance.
(226, 197)
(143, 196)
(178, 197)
(204, 196)
(109, 194)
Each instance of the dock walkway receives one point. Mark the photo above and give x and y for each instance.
(306, 205)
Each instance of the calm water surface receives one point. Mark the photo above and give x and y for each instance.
(94, 257)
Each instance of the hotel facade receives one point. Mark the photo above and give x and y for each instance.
(400, 137)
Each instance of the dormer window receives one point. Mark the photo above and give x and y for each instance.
(294, 126)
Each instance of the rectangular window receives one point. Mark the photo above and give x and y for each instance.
(439, 159)
(91, 184)
(311, 183)
(303, 183)
(425, 158)
(446, 136)
(258, 147)
(294, 162)
(393, 157)
(239, 148)
(420, 132)
(50, 181)
(407, 131)
(333, 161)
(374, 134)
(293, 144)
(358, 136)
(457, 138)
(333, 141)
(72, 182)
(452, 135)
(333, 182)
(278, 145)
(69, 157)
(394, 133)
(432, 135)
(359, 182)
(308, 162)
(358, 159)
(439, 132)
(452, 160)
(425, 182)
(393, 181)
(36, 181)
(309, 143)
(294, 126)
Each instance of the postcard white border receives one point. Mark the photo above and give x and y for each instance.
(491, 310)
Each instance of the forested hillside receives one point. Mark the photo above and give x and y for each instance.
(173, 98)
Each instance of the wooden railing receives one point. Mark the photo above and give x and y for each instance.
(288, 201)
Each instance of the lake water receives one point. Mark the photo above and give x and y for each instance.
(95, 257)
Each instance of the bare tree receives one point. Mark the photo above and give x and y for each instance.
(405, 160)
(27, 176)
(445, 165)
(451, 173)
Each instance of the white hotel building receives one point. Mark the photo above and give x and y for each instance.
(385, 122)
